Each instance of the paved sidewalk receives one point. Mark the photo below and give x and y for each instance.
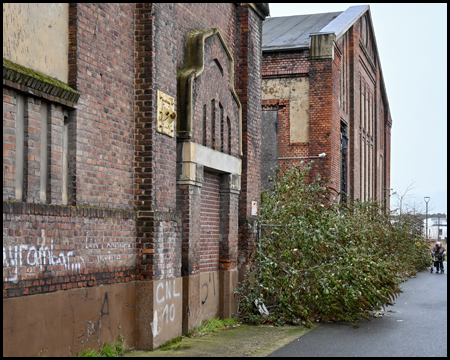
(415, 326)
(405, 329)
(243, 340)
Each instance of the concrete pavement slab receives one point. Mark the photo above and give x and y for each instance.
(243, 340)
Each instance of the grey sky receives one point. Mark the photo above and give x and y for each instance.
(412, 43)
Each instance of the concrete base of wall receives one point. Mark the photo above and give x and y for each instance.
(208, 295)
(229, 300)
(158, 312)
(64, 322)
(146, 313)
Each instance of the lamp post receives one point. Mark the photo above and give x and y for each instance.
(427, 199)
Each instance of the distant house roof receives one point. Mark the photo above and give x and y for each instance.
(293, 32)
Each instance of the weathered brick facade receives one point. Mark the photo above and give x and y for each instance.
(248, 88)
(344, 96)
(96, 193)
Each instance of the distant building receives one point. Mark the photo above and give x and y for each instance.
(437, 227)
(324, 98)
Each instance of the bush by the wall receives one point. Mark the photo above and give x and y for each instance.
(319, 260)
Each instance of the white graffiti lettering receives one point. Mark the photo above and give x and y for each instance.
(15, 257)
(158, 299)
(172, 312)
(166, 311)
(166, 308)
(43, 253)
(174, 293)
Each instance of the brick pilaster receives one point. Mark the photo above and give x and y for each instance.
(248, 77)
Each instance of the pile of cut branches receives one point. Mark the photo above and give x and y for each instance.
(319, 260)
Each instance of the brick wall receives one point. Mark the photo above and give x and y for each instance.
(248, 74)
(286, 148)
(157, 64)
(229, 215)
(320, 115)
(282, 64)
(335, 138)
(366, 83)
(88, 157)
(215, 122)
(126, 218)
(9, 143)
(101, 60)
(47, 248)
(210, 223)
(20, 108)
(345, 90)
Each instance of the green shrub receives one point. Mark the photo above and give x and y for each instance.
(319, 260)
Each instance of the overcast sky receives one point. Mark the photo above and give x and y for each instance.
(412, 44)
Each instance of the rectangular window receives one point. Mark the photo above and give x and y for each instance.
(213, 124)
(221, 130)
(361, 172)
(344, 146)
(381, 178)
(65, 158)
(20, 146)
(205, 137)
(229, 134)
(44, 152)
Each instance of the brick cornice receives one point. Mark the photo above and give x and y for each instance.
(26, 208)
(34, 83)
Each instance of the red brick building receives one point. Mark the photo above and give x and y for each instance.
(131, 164)
(324, 99)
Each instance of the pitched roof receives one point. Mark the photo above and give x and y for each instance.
(293, 32)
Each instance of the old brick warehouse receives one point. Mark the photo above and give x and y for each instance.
(324, 94)
(131, 161)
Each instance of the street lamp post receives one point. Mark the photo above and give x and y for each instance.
(427, 199)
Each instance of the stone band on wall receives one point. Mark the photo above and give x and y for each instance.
(194, 156)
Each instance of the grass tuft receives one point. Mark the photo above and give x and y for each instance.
(212, 326)
(168, 344)
(89, 353)
(109, 349)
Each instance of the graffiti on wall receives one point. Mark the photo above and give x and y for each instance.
(31, 257)
(166, 294)
(18, 256)
(205, 288)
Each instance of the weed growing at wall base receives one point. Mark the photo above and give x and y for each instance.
(212, 326)
(109, 349)
(320, 260)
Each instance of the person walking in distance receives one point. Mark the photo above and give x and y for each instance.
(438, 253)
